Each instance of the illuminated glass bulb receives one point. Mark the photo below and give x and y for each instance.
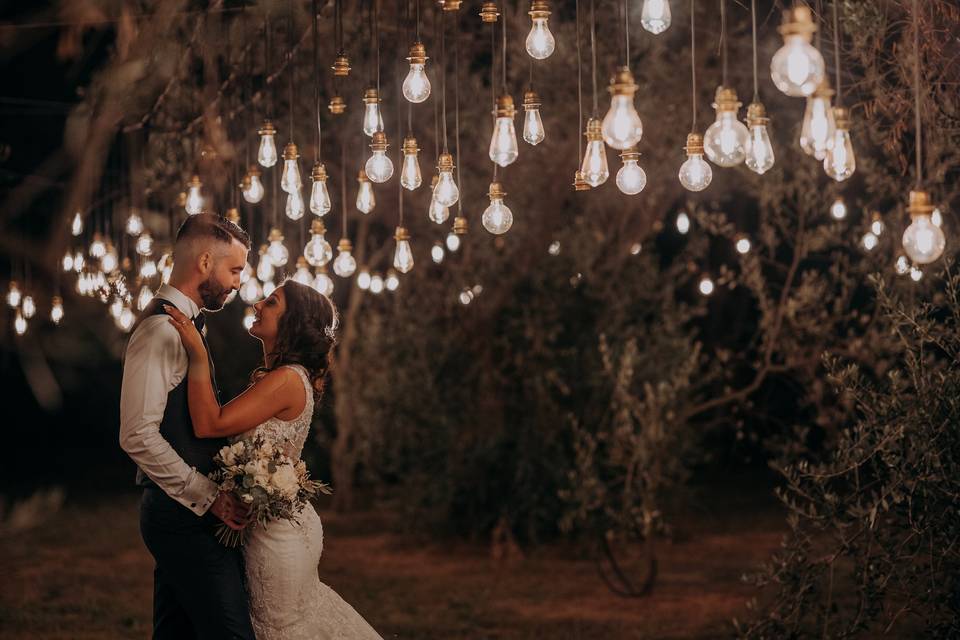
(116, 308)
(540, 42)
(438, 213)
(97, 246)
(144, 297)
(267, 153)
(916, 274)
(323, 282)
(249, 317)
(110, 260)
(695, 173)
(126, 318)
(902, 266)
(277, 253)
(247, 273)
(317, 250)
(497, 217)
(392, 281)
(290, 178)
(869, 241)
(56, 309)
(594, 165)
(165, 265)
(655, 16)
(76, 225)
(503, 142)
(320, 203)
(876, 224)
(134, 224)
(636, 248)
(453, 241)
(923, 241)
(936, 217)
(194, 203)
(268, 288)
(446, 192)
(67, 261)
(759, 149)
(148, 269)
(705, 286)
(251, 291)
(839, 163)
(372, 120)
(622, 127)
(410, 176)
(554, 248)
(403, 256)
(363, 279)
(295, 207)
(797, 68)
(28, 307)
(376, 284)
(817, 130)
(726, 140)
(838, 209)
(20, 324)
(251, 187)
(366, 201)
(743, 245)
(302, 274)
(379, 167)
(533, 132)
(631, 178)
(465, 297)
(683, 223)
(345, 264)
(145, 244)
(416, 86)
(78, 261)
(437, 253)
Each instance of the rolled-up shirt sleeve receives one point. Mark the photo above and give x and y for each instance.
(154, 364)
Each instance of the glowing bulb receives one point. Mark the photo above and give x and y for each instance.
(503, 142)
(194, 204)
(345, 264)
(379, 167)
(148, 269)
(320, 203)
(267, 153)
(554, 248)
(403, 256)
(110, 260)
(302, 274)
(497, 217)
(453, 241)
(726, 140)
(416, 86)
(759, 149)
(363, 279)
(277, 253)
(923, 241)
(869, 241)
(438, 213)
(116, 308)
(594, 165)
(743, 245)
(540, 42)
(295, 207)
(145, 244)
(876, 226)
(28, 307)
(683, 223)
(67, 262)
(76, 226)
(126, 318)
(78, 261)
(695, 174)
(56, 310)
(936, 217)
(97, 246)
(437, 253)
(902, 266)
(636, 248)
(466, 297)
(391, 282)
(706, 286)
(376, 284)
(533, 132)
(410, 176)
(134, 224)
(631, 178)
(839, 162)
(268, 288)
(366, 201)
(144, 297)
(916, 274)
(838, 209)
(323, 282)
(290, 179)
(20, 324)
(817, 131)
(622, 127)
(797, 68)
(253, 191)
(655, 16)
(446, 192)
(251, 291)
(317, 250)
(372, 119)
(249, 317)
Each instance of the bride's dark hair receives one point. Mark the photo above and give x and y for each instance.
(306, 334)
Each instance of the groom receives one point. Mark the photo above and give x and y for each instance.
(198, 583)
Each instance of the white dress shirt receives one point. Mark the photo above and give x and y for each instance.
(155, 363)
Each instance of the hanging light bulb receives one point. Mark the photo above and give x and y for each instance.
(194, 202)
(345, 264)
(497, 217)
(76, 225)
(320, 204)
(503, 142)
(67, 261)
(705, 286)
(923, 241)
(78, 261)
(869, 241)
(838, 210)
(392, 281)
(144, 297)
(148, 269)
(20, 324)
(251, 291)
(249, 317)
(840, 162)
(290, 180)
(695, 173)
(446, 192)
(277, 253)
(797, 68)
(655, 16)
(727, 138)
(363, 279)
(416, 86)
(366, 201)
(622, 127)
(317, 250)
(267, 153)
(372, 120)
(594, 165)
(116, 308)
(134, 224)
(533, 132)
(403, 256)
(302, 274)
(341, 65)
(437, 253)
(376, 284)
(323, 282)
(876, 224)
(268, 288)
(110, 260)
(915, 274)
(817, 130)
(126, 318)
(683, 223)
(540, 42)
(453, 242)
(28, 307)
(295, 207)
(631, 178)
(145, 244)
(437, 212)
(742, 245)
(410, 176)
(379, 167)
(759, 149)
(56, 309)
(165, 265)
(901, 266)
(97, 246)
(580, 182)
(253, 190)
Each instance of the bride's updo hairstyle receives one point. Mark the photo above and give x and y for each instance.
(306, 334)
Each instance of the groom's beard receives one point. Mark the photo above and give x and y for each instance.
(212, 294)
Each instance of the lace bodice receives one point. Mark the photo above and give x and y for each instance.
(290, 435)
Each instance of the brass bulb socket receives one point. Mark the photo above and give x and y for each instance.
(290, 152)
(233, 215)
(275, 235)
(539, 9)
(341, 66)
(344, 245)
(496, 191)
(245, 182)
(379, 141)
(757, 115)
(362, 176)
(445, 162)
(920, 204)
(417, 54)
(337, 105)
(401, 234)
(726, 99)
(56, 300)
(489, 12)
(694, 144)
(798, 21)
(263, 249)
(580, 182)
(841, 115)
(630, 154)
(593, 132)
(451, 5)
(301, 262)
(319, 173)
(823, 90)
(267, 129)
(531, 100)
(622, 83)
(370, 96)
(460, 226)
(318, 227)
(253, 171)
(410, 146)
(505, 108)
(195, 182)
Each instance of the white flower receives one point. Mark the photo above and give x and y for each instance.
(285, 479)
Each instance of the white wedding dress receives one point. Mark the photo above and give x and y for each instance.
(287, 599)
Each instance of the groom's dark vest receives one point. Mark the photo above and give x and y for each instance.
(176, 426)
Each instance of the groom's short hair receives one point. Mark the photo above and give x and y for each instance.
(211, 227)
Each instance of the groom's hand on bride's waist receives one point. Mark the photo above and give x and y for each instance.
(234, 513)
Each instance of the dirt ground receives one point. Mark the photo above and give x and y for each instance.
(85, 574)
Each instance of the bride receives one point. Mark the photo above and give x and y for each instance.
(296, 326)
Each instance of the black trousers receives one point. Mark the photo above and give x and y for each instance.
(198, 584)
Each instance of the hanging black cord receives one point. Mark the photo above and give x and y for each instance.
(693, 65)
(836, 51)
(290, 70)
(626, 32)
(579, 87)
(456, 106)
(316, 76)
(400, 189)
(593, 54)
(753, 23)
(443, 76)
(493, 84)
(916, 92)
(503, 57)
(723, 40)
(376, 29)
(406, 7)
(266, 63)
(436, 103)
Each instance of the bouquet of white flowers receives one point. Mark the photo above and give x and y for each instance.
(261, 476)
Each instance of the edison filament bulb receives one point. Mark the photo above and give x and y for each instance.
(379, 167)
(372, 120)
(295, 207)
(631, 178)
(622, 127)
(816, 132)
(416, 86)
(145, 244)
(302, 274)
(76, 225)
(594, 165)
(446, 193)
(695, 173)
(317, 250)
(134, 226)
(403, 256)
(540, 42)
(365, 198)
(726, 140)
(56, 310)
(13, 294)
(290, 180)
(320, 204)
(345, 264)
(838, 210)
(267, 153)
(655, 16)
(533, 132)
(760, 156)
(276, 251)
(410, 176)
(497, 217)
(797, 68)
(503, 142)
(194, 203)
(840, 163)
(923, 241)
